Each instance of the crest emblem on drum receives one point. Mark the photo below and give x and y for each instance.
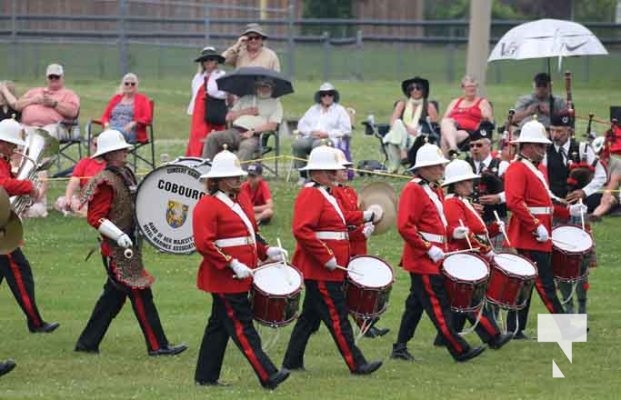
(176, 213)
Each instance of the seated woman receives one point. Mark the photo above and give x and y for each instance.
(8, 98)
(464, 114)
(409, 119)
(128, 112)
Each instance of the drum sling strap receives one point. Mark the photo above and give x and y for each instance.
(236, 208)
(333, 202)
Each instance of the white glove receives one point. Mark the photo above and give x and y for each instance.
(435, 253)
(461, 232)
(277, 253)
(490, 255)
(542, 234)
(242, 271)
(368, 229)
(373, 213)
(111, 231)
(577, 210)
(331, 264)
(501, 225)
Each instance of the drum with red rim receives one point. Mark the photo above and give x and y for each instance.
(466, 281)
(368, 285)
(511, 280)
(570, 246)
(275, 294)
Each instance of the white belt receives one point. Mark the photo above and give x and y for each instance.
(237, 241)
(328, 235)
(432, 237)
(540, 210)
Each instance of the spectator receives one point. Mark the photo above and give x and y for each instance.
(539, 102)
(408, 120)
(250, 50)
(47, 107)
(326, 120)
(463, 115)
(8, 98)
(251, 115)
(128, 111)
(84, 170)
(258, 191)
(203, 85)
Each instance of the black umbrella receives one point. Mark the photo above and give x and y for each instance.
(242, 81)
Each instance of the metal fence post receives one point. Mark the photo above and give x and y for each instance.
(290, 40)
(207, 23)
(359, 56)
(13, 48)
(123, 51)
(326, 55)
(450, 56)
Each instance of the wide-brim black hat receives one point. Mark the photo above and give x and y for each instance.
(416, 80)
(209, 53)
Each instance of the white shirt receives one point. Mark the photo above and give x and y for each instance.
(502, 168)
(212, 87)
(334, 120)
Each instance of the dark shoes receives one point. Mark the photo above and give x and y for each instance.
(400, 352)
(367, 368)
(276, 379)
(374, 332)
(45, 328)
(7, 366)
(470, 354)
(85, 349)
(499, 341)
(521, 336)
(169, 350)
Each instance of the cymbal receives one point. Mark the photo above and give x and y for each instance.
(11, 234)
(383, 200)
(380, 187)
(5, 207)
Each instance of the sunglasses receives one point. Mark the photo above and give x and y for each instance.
(476, 145)
(416, 87)
(324, 94)
(254, 37)
(53, 77)
(129, 83)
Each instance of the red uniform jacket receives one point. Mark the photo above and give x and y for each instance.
(456, 210)
(213, 220)
(525, 190)
(417, 213)
(14, 187)
(312, 213)
(142, 114)
(348, 199)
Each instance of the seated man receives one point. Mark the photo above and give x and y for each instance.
(258, 191)
(326, 120)
(251, 115)
(46, 107)
(538, 102)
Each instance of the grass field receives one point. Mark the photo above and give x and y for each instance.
(68, 286)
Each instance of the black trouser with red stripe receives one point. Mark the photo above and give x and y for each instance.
(323, 301)
(427, 293)
(110, 304)
(16, 269)
(231, 316)
(486, 328)
(544, 285)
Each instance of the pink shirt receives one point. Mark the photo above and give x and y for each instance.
(40, 115)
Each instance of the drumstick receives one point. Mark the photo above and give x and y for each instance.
(581, 214)
(253, 271)
(349, 270)
(462, 251)
(504, 233)
(284, 262)
(467, 238)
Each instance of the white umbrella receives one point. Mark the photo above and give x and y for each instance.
(547, 38)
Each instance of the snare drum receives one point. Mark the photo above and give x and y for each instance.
(570, 246)
(368, 285)
(467, 276)
(511, 281)
(275, 294)
(165, 201)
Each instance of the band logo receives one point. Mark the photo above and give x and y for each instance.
(176, 213)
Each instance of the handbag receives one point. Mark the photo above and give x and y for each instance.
(215, 109)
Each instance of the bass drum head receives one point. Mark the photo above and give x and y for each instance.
(165, 202)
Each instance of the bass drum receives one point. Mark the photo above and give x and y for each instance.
(165, 201)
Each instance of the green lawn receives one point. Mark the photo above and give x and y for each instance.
(68, 286)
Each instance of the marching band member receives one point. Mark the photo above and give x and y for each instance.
(226, 235)
(111, 210)
(465, 222)
(423, 226)
(358, 234)
(14, 266)
(530, 203)
(320, 229)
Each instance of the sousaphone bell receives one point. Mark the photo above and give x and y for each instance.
(385, 196)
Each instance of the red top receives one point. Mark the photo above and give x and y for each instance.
(312, 212)
(212, 220)
(417, 213)
(14, 187)
(142, 114)
(457, 211)
(87, 168)
(258, 195)
(467, 118)
(98, 207)
(348, 198)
